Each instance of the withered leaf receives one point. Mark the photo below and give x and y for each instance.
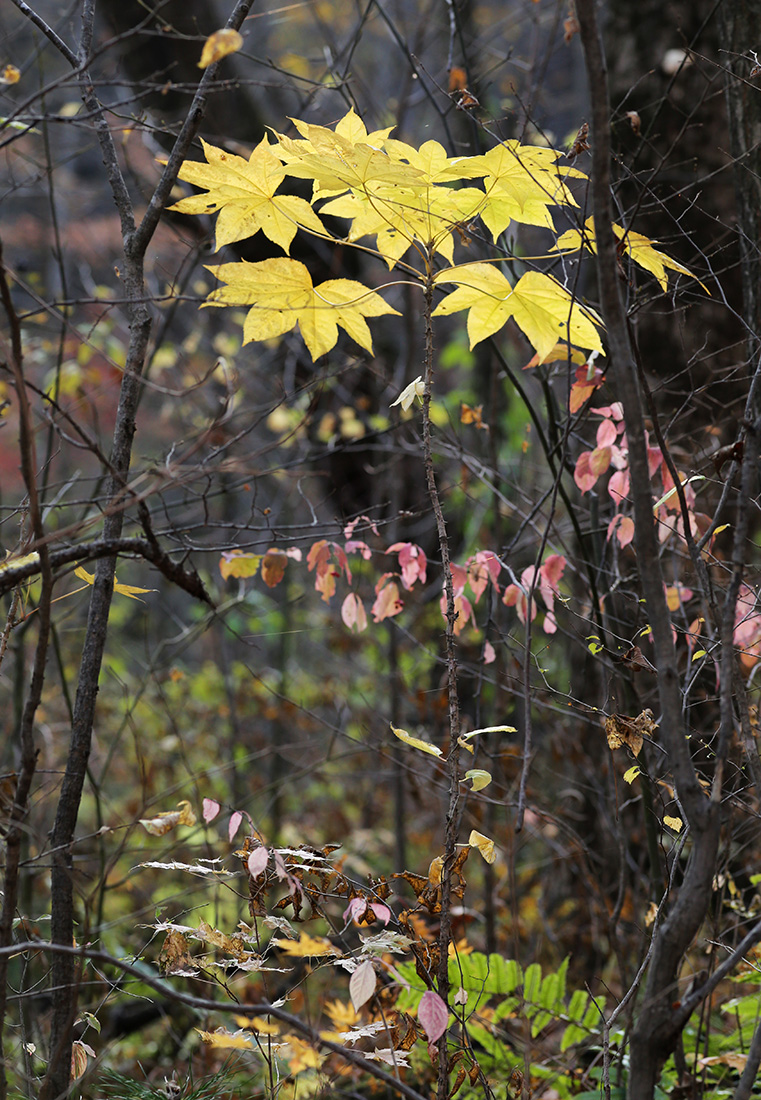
(622, 730)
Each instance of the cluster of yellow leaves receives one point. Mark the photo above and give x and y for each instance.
(405, 198)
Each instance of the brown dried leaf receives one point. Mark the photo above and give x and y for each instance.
(621, 730)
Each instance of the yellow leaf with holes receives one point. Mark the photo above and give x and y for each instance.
(281, 294)
(307, 946)
(243, 191)
(219, 45)
(416, 742)
(484, 845)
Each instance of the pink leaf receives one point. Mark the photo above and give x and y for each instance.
(433, 1014)
(257, 861)
(550, 623)
(412, 562)
(280, 870)
(356, 908)
(356, 546)
(210, 809)
(353, 613)
(382, 912)
(623, 528)
(618, 486)
(489, 655)
(362, 984)
(606, 433)
(350, 527)
(599, 460)
(459, 579)
(387, 603)
(582, 474)
(232, 828)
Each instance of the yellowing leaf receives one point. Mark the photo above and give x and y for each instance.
(123, 589)
(243, 191)
(541, 307)
(300, 1056)
(435, 869)
(224, 1040)
(484, 845)
(409, 393)
(164, 823)
(480, 779)
(10, 75)
(640, 249)
(238, 563)
(258, 1023)
(631, 774)
(219, 45)
(306, 947)
(342, 1016)
(674, 823)
(416, 742)
(281, 295)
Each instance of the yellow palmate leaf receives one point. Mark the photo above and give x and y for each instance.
(306, 947)
(481, 289)
(123, 589)
(416, 742)
(219, 45)
(224, 1040)
(243, 191)
(335, 164)
(641, 250)
(484, 845)
(299, 1055)
(546, 312)
(258, 1023)
(281, 295)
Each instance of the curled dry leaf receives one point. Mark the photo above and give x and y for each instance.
(163, 823)
(484, 845)
(621, 730)
(416, 742)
